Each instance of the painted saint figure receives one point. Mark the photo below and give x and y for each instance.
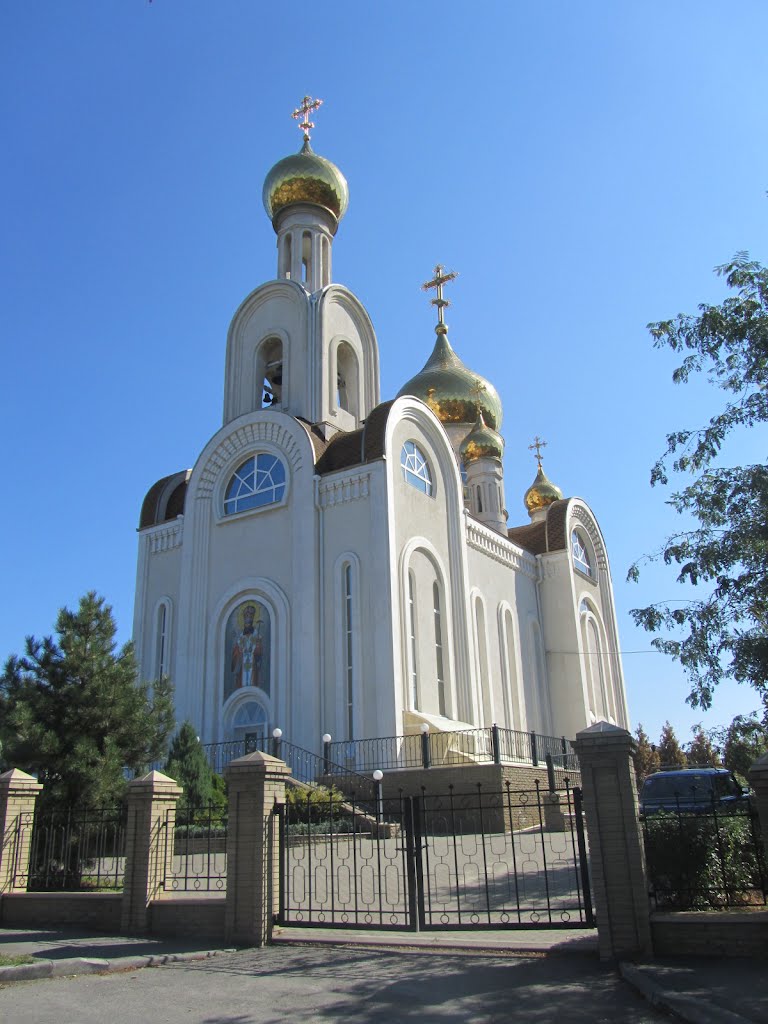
(248, 645)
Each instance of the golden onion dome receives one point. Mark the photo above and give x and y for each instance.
(481, 443)
(305, 177)
(453, 393)
(541, 493)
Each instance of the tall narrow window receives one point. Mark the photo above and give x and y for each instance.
(439, 650)
(161, 664)
(479, 499)
(306, 257)
(348, 655)
(414, 651)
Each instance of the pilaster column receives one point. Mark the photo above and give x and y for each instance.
(149, 846)
(18, 793)
(256, 783)
(758, 780)
(617, 856)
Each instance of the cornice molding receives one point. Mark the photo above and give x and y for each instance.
(339, 491)
(490, 543)
(166, 536)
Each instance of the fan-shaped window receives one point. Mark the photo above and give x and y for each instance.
(259, 481)
(580, 555)
(416, 468)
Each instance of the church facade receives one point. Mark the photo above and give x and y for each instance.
(335, 564)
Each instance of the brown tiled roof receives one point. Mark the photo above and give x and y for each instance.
(319, 443)
(549, 535)
(151, 506)
(175, 506)
(354, 447)
(532, 537)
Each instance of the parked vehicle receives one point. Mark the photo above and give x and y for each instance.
(692, 789)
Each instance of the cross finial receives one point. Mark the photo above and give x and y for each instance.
(308, 106)
(538, 444)
(437, 282)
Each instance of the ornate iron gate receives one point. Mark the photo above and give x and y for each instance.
(502, 859)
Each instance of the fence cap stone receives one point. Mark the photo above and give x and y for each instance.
(154, 782)
(259, 762)
(15, 778)
(601, 734)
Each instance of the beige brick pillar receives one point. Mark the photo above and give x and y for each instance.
(18, 793)
(617, 857)
(256, 783)
(148, 846)
(758, 780)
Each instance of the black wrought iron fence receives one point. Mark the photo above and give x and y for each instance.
(195, 847)
(707, 858)
(74, 849)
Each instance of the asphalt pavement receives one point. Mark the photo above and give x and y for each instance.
(313, 976)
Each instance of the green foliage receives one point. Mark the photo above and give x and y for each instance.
(646, 757)
(72, 711)
(701, 753)
(189, 766)
(745, 740)
(671, 754)
(313, 804)
(695, 861)
(725, 632)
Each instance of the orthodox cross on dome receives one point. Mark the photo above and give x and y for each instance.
(437, 282)
(308, 106)
(538, 444)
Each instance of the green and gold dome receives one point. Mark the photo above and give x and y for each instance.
(454, 393)
(541, 493)
(481, 443)
(305, 177)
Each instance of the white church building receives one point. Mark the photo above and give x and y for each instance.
(335, 564)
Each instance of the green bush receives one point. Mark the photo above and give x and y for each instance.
(313, 804)
(697, 861)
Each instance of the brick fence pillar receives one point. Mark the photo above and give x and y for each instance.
(18, 793)
(256, 783)
(617, 857)
(758, 780)
(149, 846)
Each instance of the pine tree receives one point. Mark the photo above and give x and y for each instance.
(701, 753)
(189, 766)
(72, 711)
(670, 752)
(646, 757)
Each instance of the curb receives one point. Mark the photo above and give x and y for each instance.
(686, 1008)
(69, 966)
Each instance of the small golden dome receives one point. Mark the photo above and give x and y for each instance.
(452, 392)
(481, 443)
(541, 493)
(305, 177)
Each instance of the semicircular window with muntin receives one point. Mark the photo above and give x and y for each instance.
(415, 467)
(259, 481)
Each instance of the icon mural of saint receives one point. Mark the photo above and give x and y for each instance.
(247, 648)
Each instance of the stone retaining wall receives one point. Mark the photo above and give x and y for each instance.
(711, 933)
(99, 911)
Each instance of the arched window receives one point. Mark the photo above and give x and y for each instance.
(259, 481)
(162, 640)
(439, 665)
(347, 627)
(479, 499)
(484, 681)
(412, 636)
(580, 554)
(416, 468)
(306, 257)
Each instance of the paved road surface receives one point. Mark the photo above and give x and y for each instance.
(325, 985)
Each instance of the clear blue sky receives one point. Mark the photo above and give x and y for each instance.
(584, 166)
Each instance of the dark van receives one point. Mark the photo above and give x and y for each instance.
(691, 789)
